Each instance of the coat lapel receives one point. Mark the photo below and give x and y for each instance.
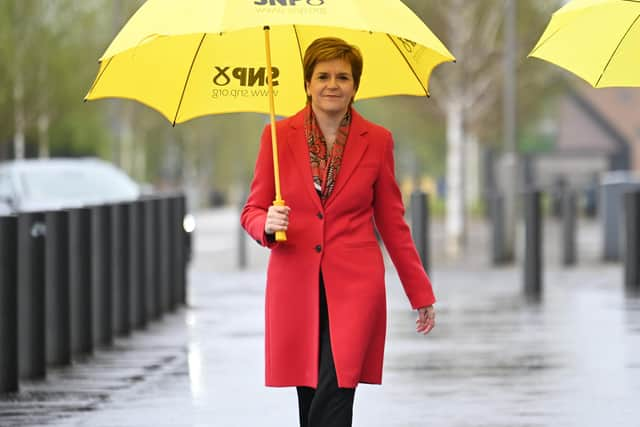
(296, 141)
(356, 146)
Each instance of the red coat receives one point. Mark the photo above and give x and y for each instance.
(338, 239)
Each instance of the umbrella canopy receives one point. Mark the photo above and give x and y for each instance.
(598, 40)
(192, 58)
(196, 57)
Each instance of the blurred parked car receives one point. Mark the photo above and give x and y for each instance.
(49, 184)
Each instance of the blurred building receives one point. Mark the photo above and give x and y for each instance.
(598, 130)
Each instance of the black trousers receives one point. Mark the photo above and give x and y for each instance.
(328, 405)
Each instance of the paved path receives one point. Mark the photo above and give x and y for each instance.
(494, 359)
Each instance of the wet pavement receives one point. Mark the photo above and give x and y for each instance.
(494, 359)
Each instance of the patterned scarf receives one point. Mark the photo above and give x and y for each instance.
(325, 166)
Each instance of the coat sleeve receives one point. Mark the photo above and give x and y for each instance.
(389, 219)
(261, 193)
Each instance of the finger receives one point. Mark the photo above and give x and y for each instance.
(424, 331)
(428, 327)
(423, 322)
(427, 330)
(281, 209)
(283, 215)
(276, 209)
(275, 225)
(279, 216)
(425, 327)
(422, 318)
(279, 225)
(275, 222)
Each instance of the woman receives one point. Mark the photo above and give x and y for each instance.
(325, 295)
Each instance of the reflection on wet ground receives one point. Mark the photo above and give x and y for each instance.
(570, 360)
(494, 359)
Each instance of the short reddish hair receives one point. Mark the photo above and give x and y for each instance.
(328, 48)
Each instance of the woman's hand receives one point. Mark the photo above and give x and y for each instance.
(277, 219)
(426, 319)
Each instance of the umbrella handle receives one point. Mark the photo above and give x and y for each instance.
(281, 236)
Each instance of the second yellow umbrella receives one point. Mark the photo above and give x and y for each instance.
(598, 40)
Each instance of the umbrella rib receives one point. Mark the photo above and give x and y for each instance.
(99, 76)
(542, 42)
(604, 69)
(186, 81)
(426, 92)
(295, 31)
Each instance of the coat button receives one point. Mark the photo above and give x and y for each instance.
(318, 248)
(320, 216)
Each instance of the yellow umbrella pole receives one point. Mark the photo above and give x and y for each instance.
(281, 236)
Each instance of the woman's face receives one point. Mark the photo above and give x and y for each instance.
(331, 87)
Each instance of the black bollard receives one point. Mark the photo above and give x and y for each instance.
(31, 295)
(497, 217)
(120, 268)
(177, 249)
(420, 225)
(170, 254)
(101, 275)
(533, 246)
(152, 294)
(632, 242)
(591, 196)
(137, 313)
(489, 178)
(559, 187)
(8, 305)
(162, 243)
(80, 286)
(57, 288)
(569, 220)
(187, 250)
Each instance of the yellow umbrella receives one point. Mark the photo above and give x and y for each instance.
(598, 40)
(191, 58)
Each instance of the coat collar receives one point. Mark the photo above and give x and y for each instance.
(356, 146)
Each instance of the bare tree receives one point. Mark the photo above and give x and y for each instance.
(469, 94)
(21, 36)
